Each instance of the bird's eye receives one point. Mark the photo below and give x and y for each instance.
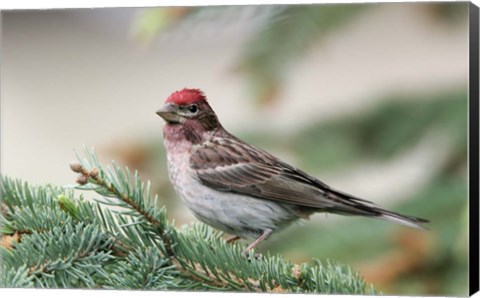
(193, 109)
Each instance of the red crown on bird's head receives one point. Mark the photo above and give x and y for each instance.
(186, 96)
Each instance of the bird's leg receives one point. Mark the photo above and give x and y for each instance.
(262, 237)
(232, 239)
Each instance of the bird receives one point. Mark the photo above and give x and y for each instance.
(240, 189)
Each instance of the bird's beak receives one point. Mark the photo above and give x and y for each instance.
(169, 113)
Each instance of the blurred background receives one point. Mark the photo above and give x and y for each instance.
(369, 98)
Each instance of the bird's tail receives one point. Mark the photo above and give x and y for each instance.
(410, 221)
(350, 205)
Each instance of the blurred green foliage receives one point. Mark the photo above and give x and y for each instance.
(377, 134)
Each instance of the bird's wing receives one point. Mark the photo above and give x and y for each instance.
(230, 165)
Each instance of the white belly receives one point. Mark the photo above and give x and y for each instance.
(235, 214)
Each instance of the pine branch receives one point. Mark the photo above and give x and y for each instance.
(130, 192)
(124, 241)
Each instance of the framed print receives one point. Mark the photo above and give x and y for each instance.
(327, 148)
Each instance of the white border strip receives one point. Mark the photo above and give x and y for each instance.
(51, 4)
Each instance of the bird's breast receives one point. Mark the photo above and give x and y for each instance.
(236, 214)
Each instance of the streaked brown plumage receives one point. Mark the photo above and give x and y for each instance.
(239, 188)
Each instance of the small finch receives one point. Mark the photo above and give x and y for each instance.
(238, 188)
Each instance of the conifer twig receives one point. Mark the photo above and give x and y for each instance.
(93, 174)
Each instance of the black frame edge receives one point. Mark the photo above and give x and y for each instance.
(474, 149)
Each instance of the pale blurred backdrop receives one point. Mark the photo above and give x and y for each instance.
(371, 99)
